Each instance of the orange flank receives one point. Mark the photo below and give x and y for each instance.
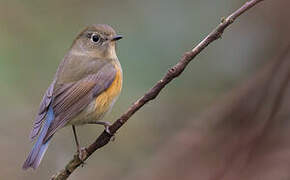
(105, 99)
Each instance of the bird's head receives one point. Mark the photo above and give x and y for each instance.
(96, 40)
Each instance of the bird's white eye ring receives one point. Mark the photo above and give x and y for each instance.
(95, 38)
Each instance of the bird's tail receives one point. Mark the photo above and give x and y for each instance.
(36, 154)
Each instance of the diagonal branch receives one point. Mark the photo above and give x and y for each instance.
(172, 73)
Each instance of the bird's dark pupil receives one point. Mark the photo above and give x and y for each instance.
(95, 38)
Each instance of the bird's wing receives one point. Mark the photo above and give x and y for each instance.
(70, 99)
(44, 105)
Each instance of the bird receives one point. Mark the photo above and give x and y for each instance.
(86, 85)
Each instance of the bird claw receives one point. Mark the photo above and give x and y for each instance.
(82, 152)
(107, 129)
(107, 125)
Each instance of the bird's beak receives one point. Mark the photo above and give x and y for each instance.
(116, 38)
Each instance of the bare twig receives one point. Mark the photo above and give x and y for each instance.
(172, 73)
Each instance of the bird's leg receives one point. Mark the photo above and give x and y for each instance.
(81, 151)
(76, 138)
(106, 124)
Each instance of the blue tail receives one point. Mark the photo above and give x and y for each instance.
(36, 154)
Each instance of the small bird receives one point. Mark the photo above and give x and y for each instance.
(86, 85)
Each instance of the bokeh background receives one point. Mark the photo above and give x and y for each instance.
(35, 35)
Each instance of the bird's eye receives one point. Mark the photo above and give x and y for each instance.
(95, 38)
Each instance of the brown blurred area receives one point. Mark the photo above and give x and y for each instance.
(243, 136)
(225, 117)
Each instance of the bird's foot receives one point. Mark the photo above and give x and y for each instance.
(107, 129)
(105, 124)
(82, 152)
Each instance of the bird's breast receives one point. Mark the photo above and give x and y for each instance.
(102, 103)
(105, 100)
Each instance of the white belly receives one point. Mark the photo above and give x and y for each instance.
(89, 114)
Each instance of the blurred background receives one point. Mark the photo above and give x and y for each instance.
(35, 35)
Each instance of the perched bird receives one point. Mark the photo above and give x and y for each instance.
(85, 87)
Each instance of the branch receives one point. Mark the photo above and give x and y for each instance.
(172, 73)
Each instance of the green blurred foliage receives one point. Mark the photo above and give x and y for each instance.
(36, 34)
